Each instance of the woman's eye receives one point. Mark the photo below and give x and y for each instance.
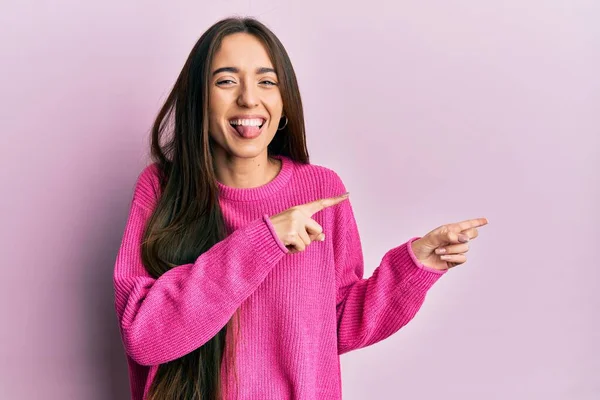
(230, 81)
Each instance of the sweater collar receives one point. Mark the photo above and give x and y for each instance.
(260, 192)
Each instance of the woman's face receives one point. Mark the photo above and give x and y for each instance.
(244, 102)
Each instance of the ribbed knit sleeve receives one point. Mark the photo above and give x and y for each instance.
(370, 310)
(163, 319)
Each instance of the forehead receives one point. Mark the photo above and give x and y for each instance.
(243, 51)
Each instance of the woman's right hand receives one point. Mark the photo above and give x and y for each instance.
(295, 227)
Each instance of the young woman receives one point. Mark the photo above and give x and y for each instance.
(240, 273)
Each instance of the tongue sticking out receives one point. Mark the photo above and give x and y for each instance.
(247, 131)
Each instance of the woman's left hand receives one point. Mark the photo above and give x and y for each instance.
(445, 247)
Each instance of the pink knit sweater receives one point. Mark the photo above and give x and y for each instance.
(299, 311)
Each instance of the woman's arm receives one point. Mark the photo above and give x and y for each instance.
(370, 310)
(163, 319)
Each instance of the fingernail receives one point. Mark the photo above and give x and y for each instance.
(322, 238)
(463, 238)
(346, 194)
(440, 251)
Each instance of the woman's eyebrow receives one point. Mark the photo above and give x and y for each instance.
(261, 70)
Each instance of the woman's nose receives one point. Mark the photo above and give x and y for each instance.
(248, 96)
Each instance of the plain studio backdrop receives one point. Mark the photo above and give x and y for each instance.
(432, 112)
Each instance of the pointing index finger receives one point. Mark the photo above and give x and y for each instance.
(471, 223)
(317, 205)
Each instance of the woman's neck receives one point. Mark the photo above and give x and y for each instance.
(242, 173)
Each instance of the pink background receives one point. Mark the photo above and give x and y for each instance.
(431, 111)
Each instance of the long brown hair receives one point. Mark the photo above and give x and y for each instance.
(187, 219)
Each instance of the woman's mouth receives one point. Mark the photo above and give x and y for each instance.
(247, 128)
